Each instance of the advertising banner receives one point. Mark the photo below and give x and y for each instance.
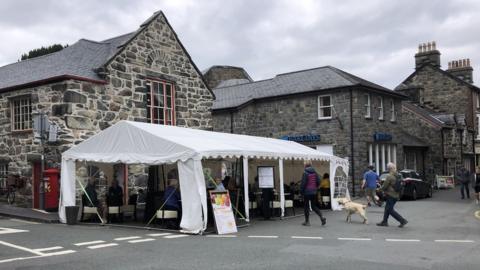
(445, 181)
(222, 212)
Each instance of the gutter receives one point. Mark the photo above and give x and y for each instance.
(351, 143)
(51, 80)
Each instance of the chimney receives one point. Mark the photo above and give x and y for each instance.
(462, 69)
(427, 53)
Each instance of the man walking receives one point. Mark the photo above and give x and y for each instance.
(463, 177)
(369, 183)
(391, 197)
(309, 187)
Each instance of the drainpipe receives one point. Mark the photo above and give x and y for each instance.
(351, 143)
(474, 154)
(231, 122)
(443, 152)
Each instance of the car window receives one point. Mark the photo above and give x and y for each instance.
(415, 175)
(405, 174)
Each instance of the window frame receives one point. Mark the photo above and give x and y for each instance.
(381, 110)
(24, 117)
(166, 111)
(368, 106)
(393, 117)
(3, 175)
(321, 107)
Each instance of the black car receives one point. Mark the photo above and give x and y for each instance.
(414, 186)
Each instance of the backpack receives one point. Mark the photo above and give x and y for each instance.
(398, 185)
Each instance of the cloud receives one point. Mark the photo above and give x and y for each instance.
(373, 39)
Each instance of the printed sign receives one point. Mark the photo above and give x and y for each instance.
(445, 181)
(222, 212)
(265, 177)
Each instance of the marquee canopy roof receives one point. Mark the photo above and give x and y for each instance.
(142, 143)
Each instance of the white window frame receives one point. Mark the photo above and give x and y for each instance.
(368, 107)
(21, 113)
(393, 117)
(321, 107)
(380, 109)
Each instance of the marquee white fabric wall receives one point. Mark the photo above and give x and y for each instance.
(141, 143)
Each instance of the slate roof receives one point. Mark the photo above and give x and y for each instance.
(80, 59)
(316, 79)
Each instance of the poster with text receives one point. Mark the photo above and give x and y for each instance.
(265, 177)
(222, 212)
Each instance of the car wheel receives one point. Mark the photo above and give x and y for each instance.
(414, 194)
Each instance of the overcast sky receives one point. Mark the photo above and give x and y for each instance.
(375, 39)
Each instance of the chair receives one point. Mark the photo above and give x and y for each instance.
(88, 210)
(131, 208)
(274, 205)
(166, 215)
(289, 204)
(115, 210)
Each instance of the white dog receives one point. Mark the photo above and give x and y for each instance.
(352, 208)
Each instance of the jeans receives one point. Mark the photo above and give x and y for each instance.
(311, 198)
(463, 188)
(389, 210)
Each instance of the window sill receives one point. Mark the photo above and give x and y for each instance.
(368, 117)
(381, 119)
(22, 131)
(324, 118)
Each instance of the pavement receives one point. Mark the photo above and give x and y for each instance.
(28, 214)
(442, 234)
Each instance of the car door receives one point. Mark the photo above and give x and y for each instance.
(419, 184)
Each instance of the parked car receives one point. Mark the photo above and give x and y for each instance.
(414, 186)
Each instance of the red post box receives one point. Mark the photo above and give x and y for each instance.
(51, 185)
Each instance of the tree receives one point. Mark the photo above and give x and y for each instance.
(42, 51)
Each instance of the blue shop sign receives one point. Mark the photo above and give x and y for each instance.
(302, 138)
(382, 137)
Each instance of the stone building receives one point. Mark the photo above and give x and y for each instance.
(442, 110)
(146, 76)
(324, 108)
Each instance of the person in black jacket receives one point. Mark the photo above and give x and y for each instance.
(115, 194)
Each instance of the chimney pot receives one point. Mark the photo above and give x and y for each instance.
(424, 47)
(449, 65)
(468, 62)
(429, 46)
(434, 45)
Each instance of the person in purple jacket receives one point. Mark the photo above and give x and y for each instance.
(309, 187)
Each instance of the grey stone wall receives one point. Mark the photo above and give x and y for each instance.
(296, 115)
(441, 92)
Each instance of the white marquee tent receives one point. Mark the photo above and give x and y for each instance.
(141, 143)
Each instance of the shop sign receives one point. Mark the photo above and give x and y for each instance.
(382, 137)
(302, 138)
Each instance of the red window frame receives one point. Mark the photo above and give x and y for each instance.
(162, 106)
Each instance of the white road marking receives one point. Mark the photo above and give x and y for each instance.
(158, 234)
(89, 243)
(141, 240)
(263, 236)
(402, 240)
(63, 252)
(10, 230)
(24, 221)
(21, 248)
(19, 259)
(47, 249)
(126, 238)
(176, 236)
(221, 236)
(307, 237)
(103, 246)
(353, 239)
(454, 241)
